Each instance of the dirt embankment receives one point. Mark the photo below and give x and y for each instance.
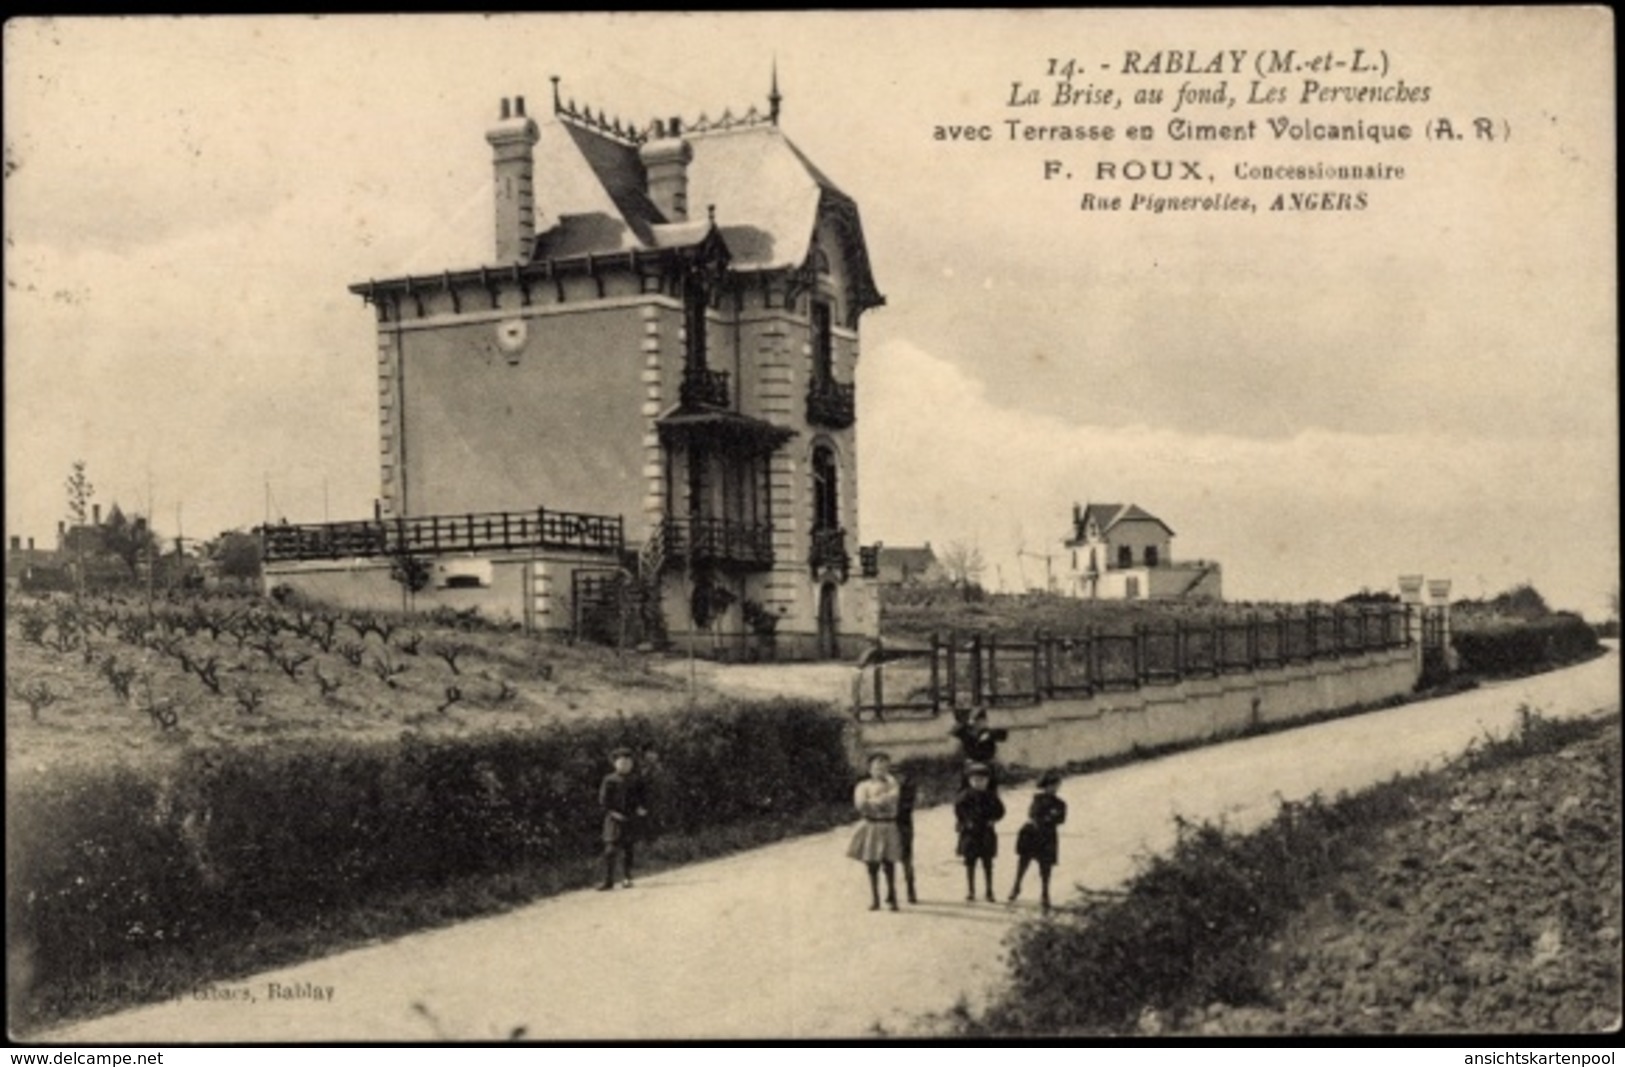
(1495, 910)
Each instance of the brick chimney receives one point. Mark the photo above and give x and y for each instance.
(666, 157)
(512, 138)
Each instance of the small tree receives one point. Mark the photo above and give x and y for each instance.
(237, 554)
(964, 566)
(80, 494)
(413, 574)
(129, 539)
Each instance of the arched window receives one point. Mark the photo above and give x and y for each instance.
(694, 305)
(823, 344)
(826, 490)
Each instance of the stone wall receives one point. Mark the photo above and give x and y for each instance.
(1061, 731)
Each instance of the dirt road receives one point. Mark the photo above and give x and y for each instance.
(779, 941)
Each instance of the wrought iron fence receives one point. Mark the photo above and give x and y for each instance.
(984, 670)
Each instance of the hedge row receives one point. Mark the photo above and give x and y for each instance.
(106, 863)
(1525, 647)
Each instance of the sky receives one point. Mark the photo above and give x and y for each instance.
(1320, 401)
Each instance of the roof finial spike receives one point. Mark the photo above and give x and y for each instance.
(773, 97)
(556, 107)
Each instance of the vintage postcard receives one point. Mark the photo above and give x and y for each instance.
(482, 490)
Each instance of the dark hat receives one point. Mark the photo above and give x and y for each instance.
(974, 769)
(619, 751)
(1049, 778)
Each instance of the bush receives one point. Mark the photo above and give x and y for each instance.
(1512, 648)
(108, 863)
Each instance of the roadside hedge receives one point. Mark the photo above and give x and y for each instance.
(106, 863)
(1516, 648)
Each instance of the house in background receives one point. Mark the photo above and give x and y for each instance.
(908, 566)
(1123, 552)
(645, 395)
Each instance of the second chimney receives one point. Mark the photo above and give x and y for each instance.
(512, 138)
(665, 158)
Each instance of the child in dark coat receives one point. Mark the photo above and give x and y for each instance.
(1039, 839)
(620, 796)
(907, 793)
(976, 811)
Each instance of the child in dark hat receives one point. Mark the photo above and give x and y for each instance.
(976, 811)
(1039, 839)
(618, 795)
(979, 743)
(877, 844)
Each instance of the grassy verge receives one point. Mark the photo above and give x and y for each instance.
(1194, 927)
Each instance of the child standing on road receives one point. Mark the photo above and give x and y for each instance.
(877, 844)
(1039, 839)
(907, 791)
(618, 795)
(976, 811)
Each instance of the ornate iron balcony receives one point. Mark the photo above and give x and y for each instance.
(831, 403)
(703, 387)
(828, 549)
(718, 542)
(869, 561)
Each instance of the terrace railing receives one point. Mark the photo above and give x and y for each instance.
(983, 670)
(433, 534)
(718, 542)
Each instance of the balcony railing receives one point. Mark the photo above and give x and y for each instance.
(719, 542)
(832, 404)
(430, 534)
(703, 387)
(869, 561)
(828, 549)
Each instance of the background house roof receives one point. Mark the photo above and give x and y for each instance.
(1105, 516)
(915, 560)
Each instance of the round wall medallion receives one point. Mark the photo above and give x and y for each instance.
(511, 334)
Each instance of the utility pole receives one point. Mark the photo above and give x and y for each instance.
(146, 542)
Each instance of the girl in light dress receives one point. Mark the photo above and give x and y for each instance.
(877, 844)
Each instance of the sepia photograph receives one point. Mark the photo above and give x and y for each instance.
(812, 526)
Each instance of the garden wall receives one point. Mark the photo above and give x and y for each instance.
(1063, 730)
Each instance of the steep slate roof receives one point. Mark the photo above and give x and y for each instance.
(591, 197)
(1106, 516)
(907, 557)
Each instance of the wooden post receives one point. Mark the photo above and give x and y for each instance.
(975, 669)
(953, 670)
(880, 666)
(1181, 632)
(1252, 641)
(1038, 655)
(1092, 658)
(936, 697)
(992, 669)
(1142, 665)
(1049, 665)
